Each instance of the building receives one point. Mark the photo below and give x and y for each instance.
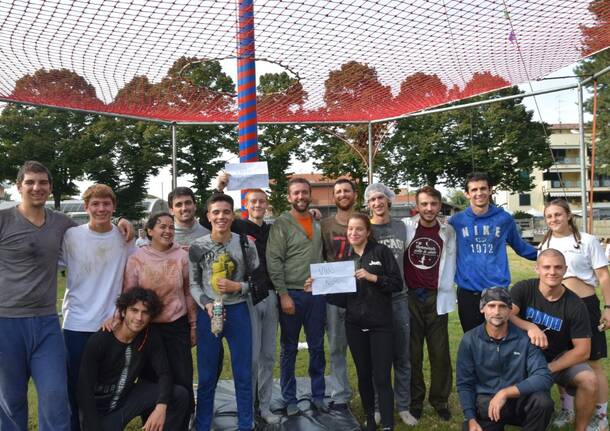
(562, 180)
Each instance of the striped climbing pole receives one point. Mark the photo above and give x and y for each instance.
(246, 88)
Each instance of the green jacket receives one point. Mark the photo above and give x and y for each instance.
(290, 252)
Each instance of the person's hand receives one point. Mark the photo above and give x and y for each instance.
(209, 308)
(156, 420)
(126, 229)
(109, 324)
(537, 337)
(287, 304)
(364, 274)
(315, 213)
(228, 286)
(495, 406)
(604, 322)
(473, 425)
(193, 337)
(223, 181)
(308, 285)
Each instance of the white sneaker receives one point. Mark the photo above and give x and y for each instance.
(407, 418)
(377, 417)
(598, 423)
(270, 418)
(565, 417)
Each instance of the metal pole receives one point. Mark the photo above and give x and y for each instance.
(370, 153)
(583, 159)
(174, 157)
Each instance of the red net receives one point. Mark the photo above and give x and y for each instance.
(355, 60)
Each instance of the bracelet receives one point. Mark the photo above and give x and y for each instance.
(606, 307)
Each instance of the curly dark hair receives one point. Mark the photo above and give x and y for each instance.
(138, 294)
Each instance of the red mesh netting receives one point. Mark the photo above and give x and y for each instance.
(355, 60)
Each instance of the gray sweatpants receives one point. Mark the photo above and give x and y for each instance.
(264, 318)
(337, 341)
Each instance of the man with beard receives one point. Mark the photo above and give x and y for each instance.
(336, 247)
(429, 266)
(393, 234)
(182, 206)
(502, 379)
(294, 244)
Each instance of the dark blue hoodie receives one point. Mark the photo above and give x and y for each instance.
(481, 248)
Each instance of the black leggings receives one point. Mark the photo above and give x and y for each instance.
(372, 353)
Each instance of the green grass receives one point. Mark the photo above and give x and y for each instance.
(520, 269)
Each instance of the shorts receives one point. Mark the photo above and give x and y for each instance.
(599, 347)
(565, 377)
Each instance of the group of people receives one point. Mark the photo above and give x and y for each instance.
(132, 314)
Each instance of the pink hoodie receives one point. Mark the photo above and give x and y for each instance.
(167, 273)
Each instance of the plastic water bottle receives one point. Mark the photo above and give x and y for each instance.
(217, 322)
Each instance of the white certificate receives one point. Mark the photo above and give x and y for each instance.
(335, 277)
(254, 175)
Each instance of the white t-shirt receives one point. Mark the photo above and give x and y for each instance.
(582, 261)
(96, 264)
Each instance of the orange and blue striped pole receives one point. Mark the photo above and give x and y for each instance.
(246, 88)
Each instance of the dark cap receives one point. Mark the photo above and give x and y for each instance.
(495, 294)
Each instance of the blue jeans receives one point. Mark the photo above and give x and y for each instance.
(33, 347)
(75, 347)
(238, 332)
(310, 313)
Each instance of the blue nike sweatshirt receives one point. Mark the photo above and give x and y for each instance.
(482, 261)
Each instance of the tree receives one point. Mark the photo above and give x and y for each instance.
(127, 153)
(202, 84)
(52, 137)
(458, 199)
(442, 148)
(343, 150)
(594, 37)
(279, 143)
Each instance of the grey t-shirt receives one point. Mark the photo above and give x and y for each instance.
(394, 236)
(210, 261)
(185, 236)
(28, 263)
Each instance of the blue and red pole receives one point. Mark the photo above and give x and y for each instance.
(246, 88)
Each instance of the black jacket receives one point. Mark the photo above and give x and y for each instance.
(370, 307)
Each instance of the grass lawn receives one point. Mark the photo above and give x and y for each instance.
(520, 269)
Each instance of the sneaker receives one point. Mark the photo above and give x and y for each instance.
(407, 418)
(321, 406)
(444, 413)
(271, 418)
(377, 417)
(416, 413)
(292, 410)
(565, 417)
(598, 423)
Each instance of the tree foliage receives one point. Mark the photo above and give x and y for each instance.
(200, 147)
(279, 143)
(499, 138)
(52, 137)
(126, 152)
